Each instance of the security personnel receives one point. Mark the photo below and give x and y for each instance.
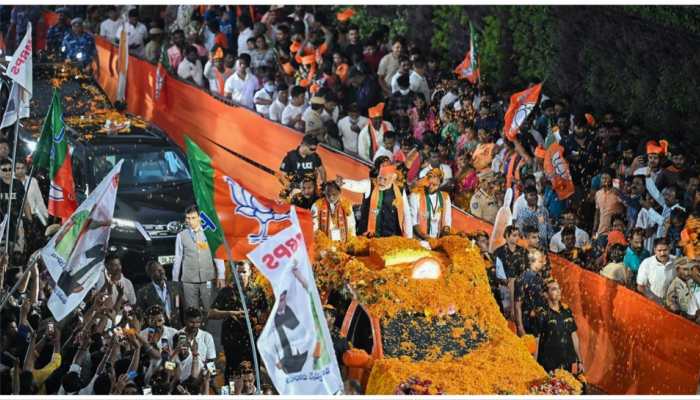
(55, 35)
(483, 203)
(78, 46)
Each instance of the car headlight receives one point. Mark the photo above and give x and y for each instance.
(123, 223)
(79, 56)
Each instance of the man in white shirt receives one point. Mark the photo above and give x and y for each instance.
(136, 34)
(108, 27)
(245, 29)
(313, 125)
(349, 128)
(388, 147)
(292, 114)
(431, 208)
(204, 339)
(404, 69)
(568, 220)
(417, 81)
(190, 68)
(113, 268)
(277, 106)
(242, 85)
(656, 272)
(449, 98)
(263, 98)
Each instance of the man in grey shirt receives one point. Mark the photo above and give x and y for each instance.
(194, 265)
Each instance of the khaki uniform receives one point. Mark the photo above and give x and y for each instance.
(484, 206)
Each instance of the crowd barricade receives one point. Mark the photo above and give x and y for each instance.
(629, 344)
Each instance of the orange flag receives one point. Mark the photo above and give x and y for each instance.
(557, 171)
(521, 105)
(469, 68)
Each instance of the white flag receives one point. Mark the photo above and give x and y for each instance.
(20, 68)
(3, 226)
(75, 255)
(295, 344)
(12, 108)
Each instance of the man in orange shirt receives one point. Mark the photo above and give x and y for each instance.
(607, 204)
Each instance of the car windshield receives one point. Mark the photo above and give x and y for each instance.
(142, 167)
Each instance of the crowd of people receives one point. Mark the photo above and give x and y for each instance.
(434, 142)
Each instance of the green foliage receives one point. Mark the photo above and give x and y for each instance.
(369, 18)
(492, 54)
(534, 41)
(450, 34)
(686, 18)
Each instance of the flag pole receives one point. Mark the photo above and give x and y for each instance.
(12, 181)
(241, 295)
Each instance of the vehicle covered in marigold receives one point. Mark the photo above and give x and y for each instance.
(427, 314)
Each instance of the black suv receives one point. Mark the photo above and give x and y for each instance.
(155, 187)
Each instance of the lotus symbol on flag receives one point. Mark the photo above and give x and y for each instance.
(248, 206)
(520, 115)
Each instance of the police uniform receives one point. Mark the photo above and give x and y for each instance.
(83, 44)
(297, 167)
(484, 206)
(55, 35)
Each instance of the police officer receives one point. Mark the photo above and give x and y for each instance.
(303, 161)
(55, 35)
(483, 203)
(78, 46)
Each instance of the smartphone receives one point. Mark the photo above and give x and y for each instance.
(182, 341)
(169, 365)
(131, 375)
(50, 329)
(616, 183)
(212, 368)
(146, 390)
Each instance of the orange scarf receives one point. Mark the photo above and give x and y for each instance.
(374, 208)
(339, 217)
(425, 214)
(373, 137)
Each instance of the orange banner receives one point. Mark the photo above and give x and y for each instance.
(629, 344)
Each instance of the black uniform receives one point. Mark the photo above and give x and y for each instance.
(297, 167)
(17, 195)
(556, 348)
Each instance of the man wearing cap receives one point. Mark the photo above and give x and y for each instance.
(372, 135)
(655, 153)
(313, 124)
(78, 46)
(216, 72)
(333, 215)
(385, 208)
(108, 27)
(483, 203)
(58, 31)
(136, 33)
(154, 46)
(431, 208)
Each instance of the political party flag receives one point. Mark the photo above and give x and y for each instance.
(52, 153)
(556, 168)
(12, 109)
(74, 257)
(295, 344)
(469, 68)
(161, 75)
(122, 64)
(521, 105)
(20, 68)
(229, 210)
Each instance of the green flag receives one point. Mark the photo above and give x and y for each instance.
(52, 122)
(203, 182)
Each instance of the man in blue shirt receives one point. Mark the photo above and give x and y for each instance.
(78, 46)
(635, 253)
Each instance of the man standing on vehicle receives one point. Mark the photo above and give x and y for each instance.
(194, 266)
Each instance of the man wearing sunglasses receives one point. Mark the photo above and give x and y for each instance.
(16, 195)
(301, 162)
